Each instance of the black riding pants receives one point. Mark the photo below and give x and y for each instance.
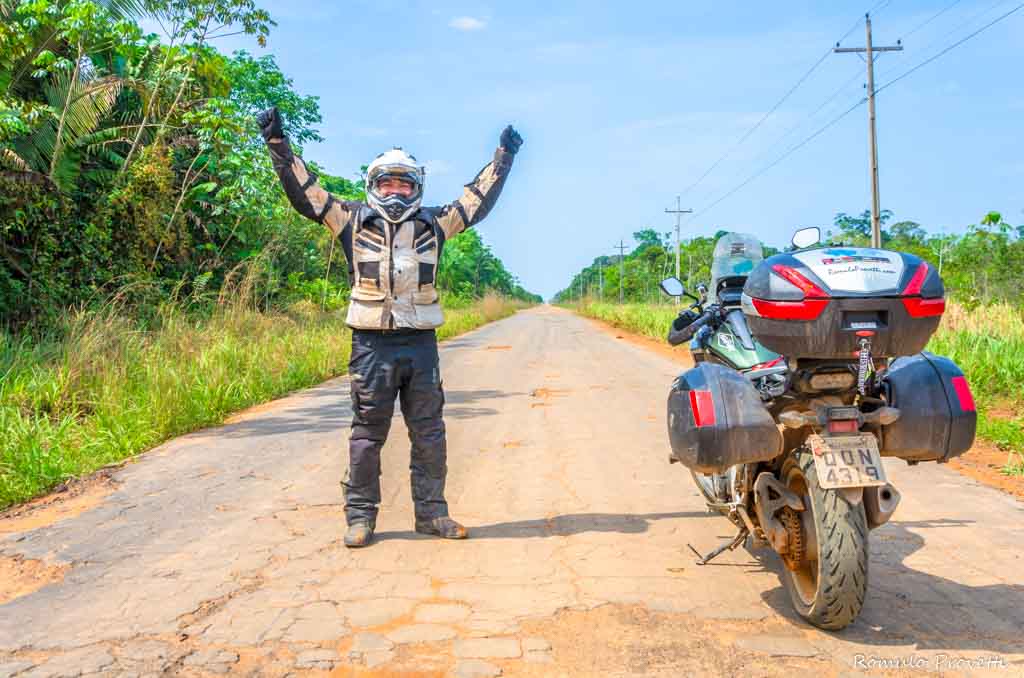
(383, 366)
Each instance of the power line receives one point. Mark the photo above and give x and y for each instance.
(950, 48)
(835, 95)
(881, 4)
(782, 157)
(963, 24)
(845, 113)
(760, 122)
(933, 17)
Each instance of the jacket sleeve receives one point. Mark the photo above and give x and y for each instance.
(478, 197)
(304, 192)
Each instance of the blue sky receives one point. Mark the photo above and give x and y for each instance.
(624, 105)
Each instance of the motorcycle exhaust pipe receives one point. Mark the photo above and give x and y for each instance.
(879, 504)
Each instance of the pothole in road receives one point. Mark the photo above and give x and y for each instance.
(498, 348)
(20, 577)
(73, 499)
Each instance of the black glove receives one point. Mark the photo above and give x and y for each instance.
(270, 123)
(510, 140)
(683, 320)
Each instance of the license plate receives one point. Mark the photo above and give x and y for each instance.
(847, 461)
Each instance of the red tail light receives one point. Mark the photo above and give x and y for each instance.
(963, 394)
(814, 302)
(792, 275)
(703, 407)
(912, 301)
(924, 308)
(808, 309)
(843, 426)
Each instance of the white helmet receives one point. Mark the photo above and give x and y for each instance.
(398, 164)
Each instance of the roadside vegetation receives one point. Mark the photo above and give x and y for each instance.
(153, 277)
(107, 386)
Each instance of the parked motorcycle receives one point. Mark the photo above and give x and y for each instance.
(809, 369)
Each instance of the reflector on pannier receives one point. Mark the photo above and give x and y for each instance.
(716, 419)
(820, 303)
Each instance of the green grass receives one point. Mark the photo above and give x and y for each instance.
(987, 343)
(649, 320)
(106, 390)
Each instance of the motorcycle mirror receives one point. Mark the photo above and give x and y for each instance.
(672, 287)
(806, 237)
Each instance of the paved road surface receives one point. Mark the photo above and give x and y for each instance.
(221, 551)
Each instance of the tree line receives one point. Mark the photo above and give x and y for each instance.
(983, 264)
(132, 162)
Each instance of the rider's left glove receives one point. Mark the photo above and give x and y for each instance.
(683, 320)
(510, 140)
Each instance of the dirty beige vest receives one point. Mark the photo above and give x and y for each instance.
(394, 268)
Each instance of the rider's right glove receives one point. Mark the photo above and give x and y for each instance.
(270, 123)
(683, 320)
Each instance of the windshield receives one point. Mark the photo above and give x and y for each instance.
(736, 254)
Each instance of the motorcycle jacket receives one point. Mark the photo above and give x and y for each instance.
(392, 267)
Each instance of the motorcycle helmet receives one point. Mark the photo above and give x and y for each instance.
(394, 164)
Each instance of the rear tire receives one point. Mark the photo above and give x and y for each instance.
(828, 586)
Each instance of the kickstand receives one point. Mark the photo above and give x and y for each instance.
(727, 546)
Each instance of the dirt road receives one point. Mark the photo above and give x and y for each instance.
(221, 551)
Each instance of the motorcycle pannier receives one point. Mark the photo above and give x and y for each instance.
(716, 419)
(821, 303)
(937, 415)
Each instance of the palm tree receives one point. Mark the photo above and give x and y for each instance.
(57, 147)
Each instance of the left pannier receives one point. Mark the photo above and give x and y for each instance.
(716, 419)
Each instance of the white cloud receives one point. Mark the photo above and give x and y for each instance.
(467, 23)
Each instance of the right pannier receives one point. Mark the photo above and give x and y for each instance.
(716, 419)
(937, 414)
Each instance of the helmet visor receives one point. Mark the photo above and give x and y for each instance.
(395, 184)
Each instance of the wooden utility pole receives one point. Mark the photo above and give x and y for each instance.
(679, 212)
(622, 260)
(869, 51)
